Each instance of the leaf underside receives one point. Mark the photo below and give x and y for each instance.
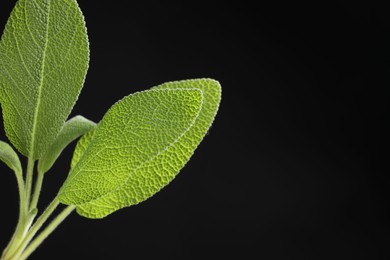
(44, 57)
(139, 146)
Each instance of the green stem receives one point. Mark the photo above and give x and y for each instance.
(19, 232)
(22, 196)
(34, 229)
(29, 179)
(46, 232)
(37, 191)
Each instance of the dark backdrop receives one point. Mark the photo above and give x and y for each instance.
(294, 166)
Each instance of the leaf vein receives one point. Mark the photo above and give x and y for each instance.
(148, 160)
(15, 84)
(28, 26)
(22, 59)
(63, 61)
(36, 112)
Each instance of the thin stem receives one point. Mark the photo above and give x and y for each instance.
(47, 231)
(19, 232)
(22, 197)
(29, 179)
(35, 228)
(37, 191)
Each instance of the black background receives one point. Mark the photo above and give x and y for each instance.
(294, 166)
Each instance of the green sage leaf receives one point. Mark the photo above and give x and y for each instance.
(133, 132)
(44, 57)
(147, 156)
(81, 146)
(9, 157)
(73, 129)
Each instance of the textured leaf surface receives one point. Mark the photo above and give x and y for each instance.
(81, 146)
(152, 171)
(44, 57)
(9, 157)
(73, 129)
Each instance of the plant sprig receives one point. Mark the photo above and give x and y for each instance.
(136, 149)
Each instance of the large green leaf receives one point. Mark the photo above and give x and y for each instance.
(73, 129)
(148, 153)
(44, 57)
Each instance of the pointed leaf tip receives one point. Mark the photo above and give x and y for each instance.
(139, 146)
(9, 157)
(44, 56)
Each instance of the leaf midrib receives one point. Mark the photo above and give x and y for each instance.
(36, 112)
(154, 156)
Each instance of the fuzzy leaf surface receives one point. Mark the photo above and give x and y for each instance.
(81, 146)
(44, 56)
(73, 129)
(125, 149)
(9, 157)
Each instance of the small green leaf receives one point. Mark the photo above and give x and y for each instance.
(44, 57)
(73, 129)
(148, 153)
(9, 157)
